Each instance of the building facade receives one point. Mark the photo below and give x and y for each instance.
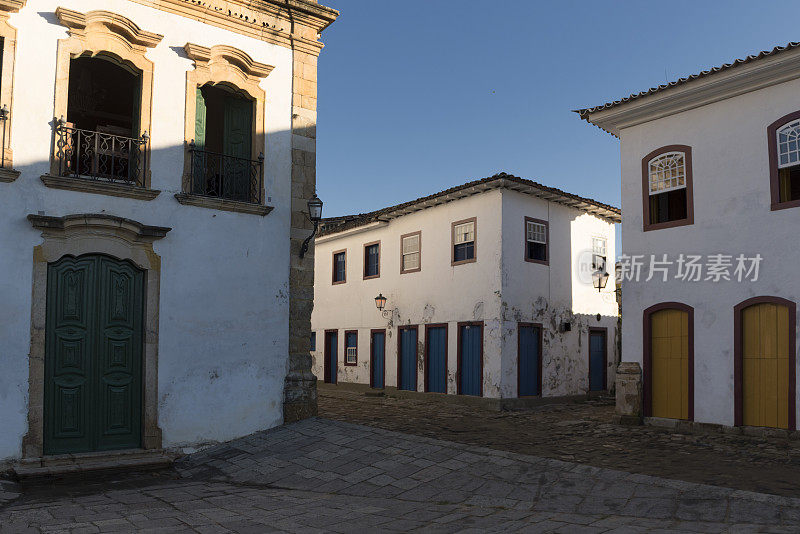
(709, 196)
(484, 295)
(157, 159)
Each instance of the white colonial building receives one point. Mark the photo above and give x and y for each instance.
(157, 157)
(710, 200)
(484, 293)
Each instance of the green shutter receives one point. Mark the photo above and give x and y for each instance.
(200, 121)
(238, 126)
(236, 141)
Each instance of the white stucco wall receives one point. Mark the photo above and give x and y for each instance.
(223, 345)
(555, 293)
(731, 216)
(439, 293)
(500, 288)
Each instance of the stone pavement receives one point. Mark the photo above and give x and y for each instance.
(583, 433)
(321, 475)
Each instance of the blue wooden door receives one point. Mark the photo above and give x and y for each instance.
(407, 359)
(529, 360)
(378, 358)
(436, 365)
(597, 360)
(469, 359)
(331, 356)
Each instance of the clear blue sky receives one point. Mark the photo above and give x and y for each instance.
(421, 95)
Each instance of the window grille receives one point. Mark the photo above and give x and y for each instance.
(537, 232)
(789, 145)
(352, 354)
(599, 245)
(464, 233)
(411, 252)
(667, 173)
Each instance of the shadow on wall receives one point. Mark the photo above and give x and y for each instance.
(217, 229)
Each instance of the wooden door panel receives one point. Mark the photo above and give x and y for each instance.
(470, 355)
(436, 370)
(378, 359)
(93, 355)
(765, 365)
(670, 364)
(69, 356)
(121, 290)
(529, 361)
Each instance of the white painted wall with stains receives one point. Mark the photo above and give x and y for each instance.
(223, 346)
(732, 215)
(500, 288)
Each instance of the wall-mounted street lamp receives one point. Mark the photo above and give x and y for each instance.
(314, 214)
(380, 303)
(599, 280)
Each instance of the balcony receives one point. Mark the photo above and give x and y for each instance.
(221, 181)
(104, 162)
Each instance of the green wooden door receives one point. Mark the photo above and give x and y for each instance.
(93, 355)
(237, 142)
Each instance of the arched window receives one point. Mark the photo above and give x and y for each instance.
(667, 187)
(783, 137)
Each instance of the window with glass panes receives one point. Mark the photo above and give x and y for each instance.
(789, 161)
(372, 267)
(351, 347)
(464, 241)
(339, 264)
(599, 253)
(667, 187)
(535, 240)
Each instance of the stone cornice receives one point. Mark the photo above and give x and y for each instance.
(289, 23)
(102, 222)
(11, 6)
(124, 27)
(744, 79)
(230, 55)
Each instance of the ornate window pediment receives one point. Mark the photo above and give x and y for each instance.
(101, 25)
(228, 62)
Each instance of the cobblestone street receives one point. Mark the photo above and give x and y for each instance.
(583, 432)
(322, 475)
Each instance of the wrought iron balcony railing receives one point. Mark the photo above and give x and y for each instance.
(101, 156)
(228, 177)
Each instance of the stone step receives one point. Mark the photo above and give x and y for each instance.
(93, 462)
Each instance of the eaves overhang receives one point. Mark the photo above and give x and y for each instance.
(692, 93)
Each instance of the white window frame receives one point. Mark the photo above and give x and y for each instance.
(461, 238)
(792, 130)
(404, 253)
(536, 232)
(601, 251)
(678, 176)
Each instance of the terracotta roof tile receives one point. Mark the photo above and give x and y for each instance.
(331, 225)
(584, 113)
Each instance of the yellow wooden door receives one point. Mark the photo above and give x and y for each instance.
(765, 365)
(669, 332)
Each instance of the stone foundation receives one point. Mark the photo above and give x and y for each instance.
(629, 394)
